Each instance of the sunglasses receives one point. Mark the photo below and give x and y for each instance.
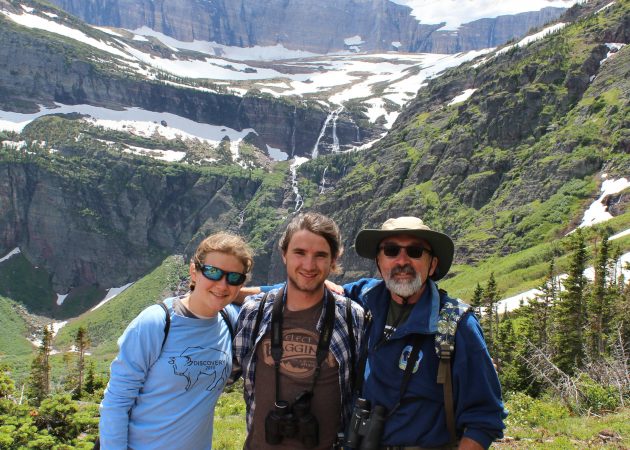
(413, 251)
(215, 274)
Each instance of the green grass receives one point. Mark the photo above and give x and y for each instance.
(547, 424)
(25, 284)
(230, 430)
(107, 323)
(15, 349)
(532, 424)
(524, 270)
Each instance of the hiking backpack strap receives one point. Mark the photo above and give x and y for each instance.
(449, 317)
(226, 318)
(259, 316)
(353, 342)
(167, 323)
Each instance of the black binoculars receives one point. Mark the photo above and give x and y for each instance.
(366, 426)
(295, 421)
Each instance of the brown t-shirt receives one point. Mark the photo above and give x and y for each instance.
(297, 366)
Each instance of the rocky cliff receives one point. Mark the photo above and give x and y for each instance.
(37, 68)
(316, 26)
(104, 220)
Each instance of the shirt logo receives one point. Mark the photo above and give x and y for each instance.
(404, 357)
(214, 372)
(299, 351)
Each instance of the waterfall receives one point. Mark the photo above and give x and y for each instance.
(332, 116)
(322, 183)
(299, 202)
(241, 219)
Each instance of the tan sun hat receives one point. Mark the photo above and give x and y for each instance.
(442, 246)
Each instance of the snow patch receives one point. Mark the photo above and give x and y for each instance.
(61, 298)
(111, 293)
(268, 53)
(33, 21)
(13, 252)
(276, 154)
(462, 97)
(598, 211)
(533, 37)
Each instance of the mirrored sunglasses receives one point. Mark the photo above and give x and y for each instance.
(215, 274)
(413, 251)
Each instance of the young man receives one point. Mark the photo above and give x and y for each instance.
(295, 346)
(405, 307)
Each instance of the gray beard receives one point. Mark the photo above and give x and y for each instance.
(404, 288)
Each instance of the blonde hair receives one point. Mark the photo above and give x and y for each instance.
(223, 242)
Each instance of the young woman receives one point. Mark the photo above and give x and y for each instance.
(162, 392)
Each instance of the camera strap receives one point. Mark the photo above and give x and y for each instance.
(322, 346)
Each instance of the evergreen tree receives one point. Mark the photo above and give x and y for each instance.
(39, 379)
(537, 328)
(597, 305)
(490, 316)
(81, 343)
(570, 313)
(477, 299)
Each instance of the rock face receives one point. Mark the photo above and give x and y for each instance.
(316, 26)
(42, 71)
(118, 225)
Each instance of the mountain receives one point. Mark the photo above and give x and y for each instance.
(314, 26)
(503, 152)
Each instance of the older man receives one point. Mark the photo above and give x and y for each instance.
(411, 319)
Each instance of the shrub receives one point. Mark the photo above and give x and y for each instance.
(525, 411)
(596, 398)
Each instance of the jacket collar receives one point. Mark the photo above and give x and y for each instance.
(424, 315)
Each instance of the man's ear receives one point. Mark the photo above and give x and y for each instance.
(434, 264)
(284, 258)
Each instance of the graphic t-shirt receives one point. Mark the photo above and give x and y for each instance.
(297, 366)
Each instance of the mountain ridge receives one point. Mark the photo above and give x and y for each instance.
(320, 27)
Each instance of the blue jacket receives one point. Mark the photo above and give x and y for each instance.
(420, 420)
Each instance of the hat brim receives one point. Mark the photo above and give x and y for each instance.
(367, 243)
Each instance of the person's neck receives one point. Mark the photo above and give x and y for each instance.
(412, 300)
(298, 300)
(198, 308)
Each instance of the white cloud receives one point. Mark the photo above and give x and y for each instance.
(457, 12)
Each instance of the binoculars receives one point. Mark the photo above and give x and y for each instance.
(366, 426)
(295, 421)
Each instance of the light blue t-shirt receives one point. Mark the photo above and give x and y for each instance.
(165, 398)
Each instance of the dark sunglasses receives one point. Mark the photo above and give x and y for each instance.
(215, 274)
(413, 251)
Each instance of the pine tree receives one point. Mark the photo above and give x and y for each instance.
(490, 316)
(90, 378)
(39, 385)
(537, 328)
(477, 299)
(81, 343)
(597, 305)
(570, 313)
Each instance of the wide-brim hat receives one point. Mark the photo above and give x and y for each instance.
(368, 240)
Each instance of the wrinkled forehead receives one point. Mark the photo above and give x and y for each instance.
(405, 240)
